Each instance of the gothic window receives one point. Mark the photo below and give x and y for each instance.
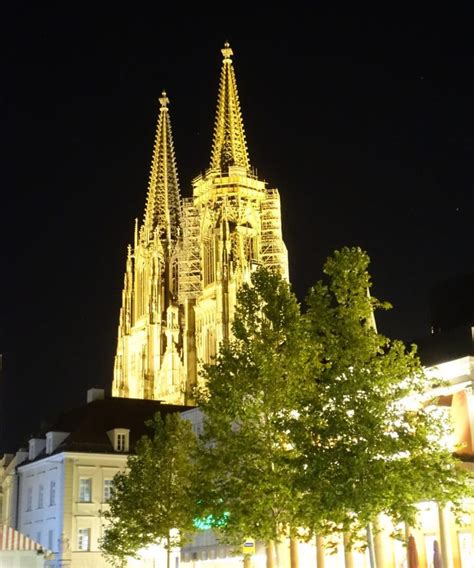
(209, 346)
(250, 249)
(142, 292)
(174, 278)
(209, 262)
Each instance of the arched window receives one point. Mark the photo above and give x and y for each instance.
(209, 261)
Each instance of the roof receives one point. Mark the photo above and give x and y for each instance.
(89, 424)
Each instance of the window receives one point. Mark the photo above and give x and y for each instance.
(209, 261)
(83, 539)
(119, 438)
(85, 489)
(108, 483)
(50, 539)
(121, 442)
(40, 496)
(29, 499)
(52, 493)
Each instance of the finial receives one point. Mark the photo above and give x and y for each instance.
(227, 52)
(164, 100)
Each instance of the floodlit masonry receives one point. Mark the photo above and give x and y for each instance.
(190, 256)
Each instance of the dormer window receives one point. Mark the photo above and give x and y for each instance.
(121, 442)
(120, 439)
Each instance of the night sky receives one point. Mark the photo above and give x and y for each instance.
(367, 147)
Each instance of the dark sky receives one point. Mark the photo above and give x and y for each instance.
(368, 147)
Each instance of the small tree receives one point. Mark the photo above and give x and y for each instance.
(153, 498)
(367, 442)
(245, 460)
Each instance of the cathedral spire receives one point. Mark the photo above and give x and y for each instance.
(229, 146)
(162, 206)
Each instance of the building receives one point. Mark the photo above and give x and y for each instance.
(190, 256)
(54, 492)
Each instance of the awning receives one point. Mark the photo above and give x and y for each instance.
(10, 539)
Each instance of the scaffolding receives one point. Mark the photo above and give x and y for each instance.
(190, 284)
(273, 252)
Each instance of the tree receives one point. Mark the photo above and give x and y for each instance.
(367, 441)
(153, 498)
(245, 459)
(315, 420)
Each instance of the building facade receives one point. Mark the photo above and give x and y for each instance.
(55, 491)
(190, 256)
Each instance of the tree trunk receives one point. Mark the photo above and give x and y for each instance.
(348, 557)
(379, 542)
(370, 543)
(320, 560)
(279, 554)
(270, 551)
(247, 561)
(168, 551)
(294, 560)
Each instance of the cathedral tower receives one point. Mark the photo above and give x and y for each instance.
(238, 218)
(191, 256)
(148, 363)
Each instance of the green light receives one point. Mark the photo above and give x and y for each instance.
(209, 522)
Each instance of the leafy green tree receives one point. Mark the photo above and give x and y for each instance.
(316, 420)
(246, 462)
(367, 440)
(153, 499)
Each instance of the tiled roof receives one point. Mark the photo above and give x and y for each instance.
(89, 424)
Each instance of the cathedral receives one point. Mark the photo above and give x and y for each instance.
(190, 256)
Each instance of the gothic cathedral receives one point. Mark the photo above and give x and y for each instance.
(191, 255)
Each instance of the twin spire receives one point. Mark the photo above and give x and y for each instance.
(229, 148)
(163, 200)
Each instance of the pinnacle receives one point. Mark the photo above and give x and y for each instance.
(164, 100)
(229, 146)
(162, 213)
(227, 52)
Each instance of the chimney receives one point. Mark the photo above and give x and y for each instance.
(36, 445)
(95, 394)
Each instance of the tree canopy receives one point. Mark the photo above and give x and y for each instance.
(315, 423)
(368, 441)
(245, 457)
(314, 420)
(153, 499)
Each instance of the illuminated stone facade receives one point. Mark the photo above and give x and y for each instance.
(190, 256)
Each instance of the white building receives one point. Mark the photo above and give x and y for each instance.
(54, 492)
